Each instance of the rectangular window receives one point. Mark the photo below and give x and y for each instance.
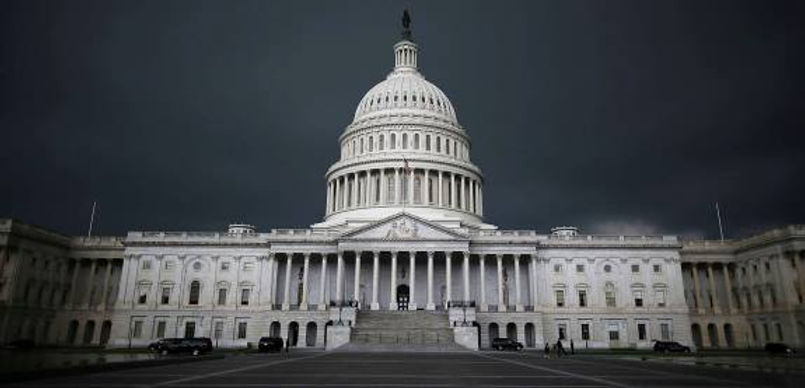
(189, 329)
(766, 335)
(635, 268)
(614, 335)
(168, 265)
(225, 266)
(221, 296)
(161, 329)
(657, 268)
(137, 331)
(146, 264)
(560, 298)
(638, 298)
(754, 333)
(562, 331)
(166, 295)
(143, 298)
(244, 296)
(585, 331)
(427, 143)
(579, 267)
(779, 331)
(241, 330)
(582, 298)
(641, 331)
(248, 266)
(557, 268)
(610, 298)
(219, 330)
(665, 332)
(660, 298)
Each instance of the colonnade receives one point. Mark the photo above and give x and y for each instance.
(395, 266)
(399, 186)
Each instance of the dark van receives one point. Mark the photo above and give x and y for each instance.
(195, 346)
(506, 344)
(670, 346)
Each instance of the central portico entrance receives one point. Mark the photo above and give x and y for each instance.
(403, 296)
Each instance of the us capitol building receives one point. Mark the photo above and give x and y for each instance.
(403, 258)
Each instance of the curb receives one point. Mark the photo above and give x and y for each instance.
(109, 367)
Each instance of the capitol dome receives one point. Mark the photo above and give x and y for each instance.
(404, 151)
(405, 90)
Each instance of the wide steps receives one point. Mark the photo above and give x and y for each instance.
(402, 330)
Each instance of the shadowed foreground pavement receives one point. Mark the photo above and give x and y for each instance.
(485, 369)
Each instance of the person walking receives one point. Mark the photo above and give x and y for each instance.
(572, 348)
(560, 349)
(287, 344)
(547, 352)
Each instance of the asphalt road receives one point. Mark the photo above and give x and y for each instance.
(484, 369)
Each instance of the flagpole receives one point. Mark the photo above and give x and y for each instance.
(720, 225)
(91, 220)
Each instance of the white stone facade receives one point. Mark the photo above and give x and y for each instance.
(403, 228)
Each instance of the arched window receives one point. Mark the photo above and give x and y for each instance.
(418, 190)
(438, 144)
(195, 288)
(431, 190)
(393, 144)
(427, 142)
(405, 141)
(447, 146)
(416, 141)
(361, 149)
(352, 151)
(380, 143)
(371, 143)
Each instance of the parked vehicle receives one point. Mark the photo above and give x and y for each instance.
(20, 344)
(779, 348)
(670, 346)
(506, 344)
(270, 344)
(195, 346)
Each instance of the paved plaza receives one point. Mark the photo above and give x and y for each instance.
(483, 369)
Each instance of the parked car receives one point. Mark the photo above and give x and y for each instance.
(506, 344)
(779, 348)
(270, 344)
(20, 344)
(196, 346)
(670, 346)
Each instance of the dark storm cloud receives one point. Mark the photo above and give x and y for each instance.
(612, 116)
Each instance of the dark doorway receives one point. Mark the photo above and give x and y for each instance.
(89, 332)
(478, 332)
(274, 329)
(326, 325)
(494, 332)
(402, 297)
(293, 333)
(106, 330)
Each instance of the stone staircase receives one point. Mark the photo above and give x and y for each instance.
(402, 330)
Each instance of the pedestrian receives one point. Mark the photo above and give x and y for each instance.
(572, 348)
(287, 345)
(559, 348)
(547, 352)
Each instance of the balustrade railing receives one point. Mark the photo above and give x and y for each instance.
(461, 303)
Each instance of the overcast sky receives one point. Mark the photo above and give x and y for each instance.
(614, 116)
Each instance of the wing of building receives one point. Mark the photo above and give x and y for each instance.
(403, 256)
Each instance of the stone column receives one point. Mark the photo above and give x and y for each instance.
(473, 207)
(465, 205)
(697, 295)
(426, 199)
(448, 278)
(728, 286)
(375, 280)
(305, 286)
(439, 194)
(339, 278)
(383, 186)
(354, 194)
(800, 277)
(337, 194)
(466, 271)
(453, 204)
(272, 279)
(105, 291)
(411, 186)
(397, 189)
(430, 305)
(393, 293)
(286, 297)
(533, 280)
(323, 283)
(501, 305)
(412, 288)
(482, 281)
(713, 289)
(517, 293)
(357, 285)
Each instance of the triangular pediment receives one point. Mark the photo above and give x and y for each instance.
(404, 226)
